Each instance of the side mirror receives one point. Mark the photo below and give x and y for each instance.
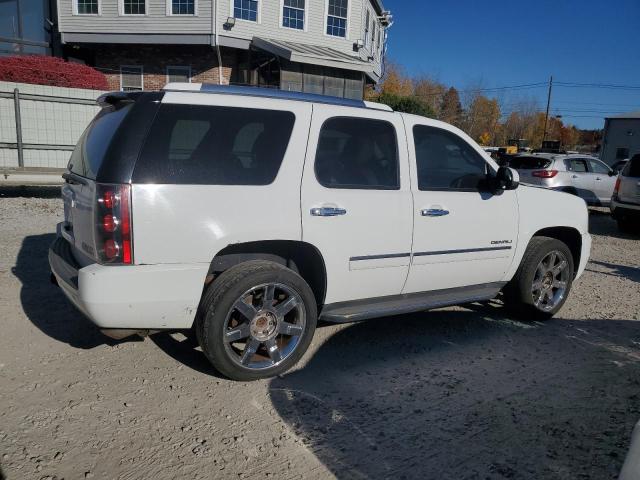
(506, 179)
(612, 173)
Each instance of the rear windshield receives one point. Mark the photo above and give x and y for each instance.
(91, 149)
(529, 163)
(193, 144)
(632, 168)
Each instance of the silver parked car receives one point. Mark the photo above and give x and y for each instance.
(625, 203)
(582, 175)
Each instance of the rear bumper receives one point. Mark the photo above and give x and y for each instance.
(141, 297)
(624, 210)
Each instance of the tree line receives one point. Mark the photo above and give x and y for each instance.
(489, 121)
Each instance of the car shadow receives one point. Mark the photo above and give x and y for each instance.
(630, 273)
(185, 350)
(44, 303)
(468, 393)
(602, 223)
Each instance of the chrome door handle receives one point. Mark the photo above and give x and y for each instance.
(434, 212)
(598, 178)
(327, 211)
(574, 176)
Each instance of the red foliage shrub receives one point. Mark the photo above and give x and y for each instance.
(55, 72)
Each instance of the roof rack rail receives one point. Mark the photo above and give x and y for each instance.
(273, 93)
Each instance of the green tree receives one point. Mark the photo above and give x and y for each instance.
(406, 104)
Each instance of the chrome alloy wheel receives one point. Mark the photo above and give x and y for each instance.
(550, 281)
(264, 326)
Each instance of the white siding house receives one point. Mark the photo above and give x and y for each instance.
(333, 47)
(621, 137)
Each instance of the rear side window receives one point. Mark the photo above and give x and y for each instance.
(91, 149)
(444, 161)
(358, 153)
(632, 169)
(529, 163)
(211, 145)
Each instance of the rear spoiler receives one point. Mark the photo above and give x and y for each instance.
(117, 99)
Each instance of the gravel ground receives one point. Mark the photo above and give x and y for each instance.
(459, 393)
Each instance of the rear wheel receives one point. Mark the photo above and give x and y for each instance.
(256, 320)
(543, 281)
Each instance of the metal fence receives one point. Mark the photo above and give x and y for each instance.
(40, 125)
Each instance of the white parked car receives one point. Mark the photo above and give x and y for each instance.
(582, 175)
(249, 213)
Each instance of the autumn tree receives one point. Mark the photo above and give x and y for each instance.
(431, 93)
(396, 82)
(451, 108)
(482, 117)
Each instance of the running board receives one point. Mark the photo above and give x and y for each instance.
(357, 310)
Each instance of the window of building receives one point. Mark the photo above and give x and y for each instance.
(373, 37)
(178, 74)
(87, 7)
(131, 78)
(134, 7)
(192, 144)
(24, 27)
(293, 14)
(366, 28)
(622, 153)
(357, 153)
(246, 10)
(183, 7)
(444, 161)
(337, 14)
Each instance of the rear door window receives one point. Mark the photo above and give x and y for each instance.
(357, 153)
(578, 165)
(214, 145)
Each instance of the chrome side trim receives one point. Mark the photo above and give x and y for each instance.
(379, 257)
(463, 250)
(365, 309)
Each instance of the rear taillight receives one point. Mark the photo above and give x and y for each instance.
(544, 173)
(616, 189)
(113, 224)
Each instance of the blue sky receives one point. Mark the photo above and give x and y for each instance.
(497, 42)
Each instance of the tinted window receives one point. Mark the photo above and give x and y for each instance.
(529, 163)
(598, 167)
(578, 165)
(192, 144)
(445, 161)
(92, 146)
(632, 169)
(357, 153)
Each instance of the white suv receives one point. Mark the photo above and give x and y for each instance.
(248, 213)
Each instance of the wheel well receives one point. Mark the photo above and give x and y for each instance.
(569, 236)
(301, 257)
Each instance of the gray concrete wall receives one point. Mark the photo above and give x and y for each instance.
(620, 133)
(44, 122)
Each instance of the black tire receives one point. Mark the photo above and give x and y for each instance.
(518, 295)
(218, 303)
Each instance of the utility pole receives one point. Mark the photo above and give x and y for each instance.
(546, 117)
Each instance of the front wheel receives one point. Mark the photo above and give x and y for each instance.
(543, 281)
(256, 320)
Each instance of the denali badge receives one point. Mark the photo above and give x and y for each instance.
(87, 248)
(500, 242)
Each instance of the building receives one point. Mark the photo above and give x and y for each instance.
(331, 47)
(621, 137)
(27, 27)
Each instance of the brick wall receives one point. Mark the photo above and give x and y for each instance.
(155, 60)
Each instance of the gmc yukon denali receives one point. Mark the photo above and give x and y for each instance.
(247, 214)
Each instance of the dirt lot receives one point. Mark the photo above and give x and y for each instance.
(456, 393)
